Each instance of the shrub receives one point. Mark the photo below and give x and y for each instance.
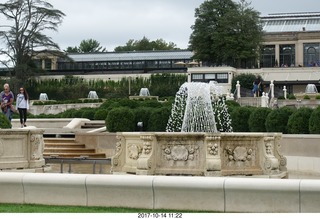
(108, 103)
(4, 122)
(150, 103)
(277, 120)
(101, 114)
(68, 113)
(314, 121)
(240, 117)
(128, 103)
(77, 113)
(306, 97)
(231, 105)
(298, 121)
(120, 119)
(142, 114)
(257, 119)
(291, 97)
(158, 119)
(88, 113)
(245, 80)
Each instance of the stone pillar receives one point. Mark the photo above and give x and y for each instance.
(145, 162)
(277, 53)
(213, 160)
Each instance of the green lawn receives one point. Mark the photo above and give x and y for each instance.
(31, 208)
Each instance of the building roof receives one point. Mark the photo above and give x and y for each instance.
(132, 56)
(291, 22)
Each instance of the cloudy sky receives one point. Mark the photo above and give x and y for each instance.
(113, 22)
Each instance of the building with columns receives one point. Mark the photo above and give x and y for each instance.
(291, 40)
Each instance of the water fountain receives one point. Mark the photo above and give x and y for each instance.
(93, 95)
(311, 89)
(311, 92)
(43, 96)
(192, 144)
(144, 92)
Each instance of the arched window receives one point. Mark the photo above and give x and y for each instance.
(311, 55)
(287, 55)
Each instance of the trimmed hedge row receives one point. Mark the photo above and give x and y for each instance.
(286, 120)
(124, 115)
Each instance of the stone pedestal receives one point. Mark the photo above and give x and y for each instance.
(21, 149)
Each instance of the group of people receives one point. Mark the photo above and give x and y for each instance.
(22, 103)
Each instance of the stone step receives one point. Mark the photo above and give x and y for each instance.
(74, 155)
(58, 140)
(64, 145)
(69, 150)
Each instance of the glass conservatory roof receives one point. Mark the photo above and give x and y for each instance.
(126, 56)
(291, 22)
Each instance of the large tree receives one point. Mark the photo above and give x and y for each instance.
(145, 45)
(22, 32)
(226, 33)
(87, 46)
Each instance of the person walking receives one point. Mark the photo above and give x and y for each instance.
(7, 99)
(22, 105)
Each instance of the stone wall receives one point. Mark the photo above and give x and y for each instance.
(214, 194)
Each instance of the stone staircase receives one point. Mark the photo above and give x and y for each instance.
(68, 148)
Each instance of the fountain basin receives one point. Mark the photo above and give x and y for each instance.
(204, 154)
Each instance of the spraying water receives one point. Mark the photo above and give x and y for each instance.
(193, 110)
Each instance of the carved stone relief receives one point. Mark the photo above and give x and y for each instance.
(180, 152)
(36, 147)
(134, 151)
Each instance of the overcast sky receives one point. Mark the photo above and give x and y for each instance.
(113, 22)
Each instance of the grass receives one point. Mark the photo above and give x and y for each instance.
(33, 208)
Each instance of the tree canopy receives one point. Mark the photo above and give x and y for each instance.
(226, 33)
(87, 46)
(145, 45)
(23, 32)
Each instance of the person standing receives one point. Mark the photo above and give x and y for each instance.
(7, 99)
(256, 86)
(22, 105)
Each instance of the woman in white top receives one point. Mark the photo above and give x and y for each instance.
(22, 105)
